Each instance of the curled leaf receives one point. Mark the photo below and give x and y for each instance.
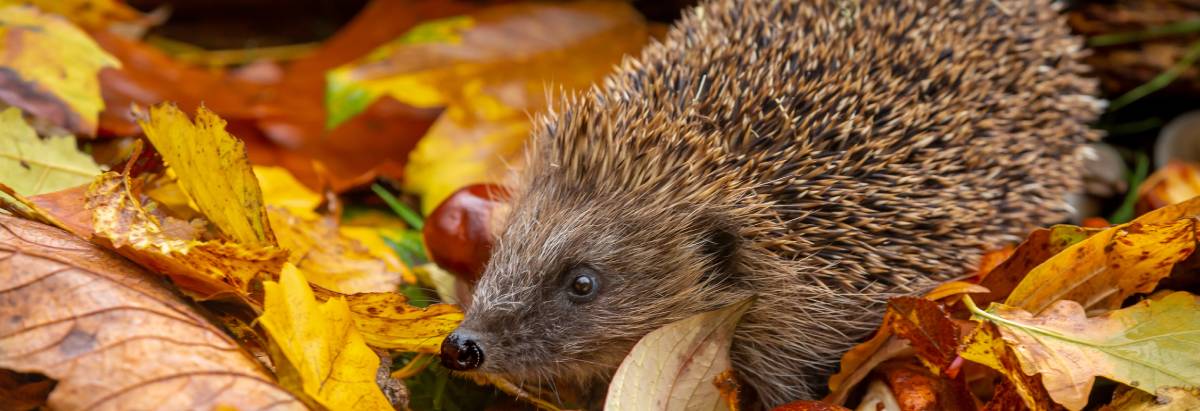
(204, 269)
(111, 335)
(317, 350)
(673, 367)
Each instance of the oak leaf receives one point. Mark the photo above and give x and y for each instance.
(31, 166)
(1149, 346)
(674, 367)
(112, 335)
(316, 348)
(212, 170)
(51, 68)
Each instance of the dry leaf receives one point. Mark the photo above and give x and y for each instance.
(212, 169)
(316, 348)
(673, 367)
(204, 269)
(31, 166)
(985, 346)
(489, 68)
(51, 68)
(1148, 346)
(928, 328)
(1171, 398)
(111, 334)
(1041, 244)
(90, 14)
(1108, 267)
(330, 259)
(387, 321)
(807, 405)
(281, 189)
(1174, 183)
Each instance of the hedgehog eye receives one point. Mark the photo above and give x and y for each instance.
(582, 284)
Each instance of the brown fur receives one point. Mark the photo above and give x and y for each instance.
(822, 155)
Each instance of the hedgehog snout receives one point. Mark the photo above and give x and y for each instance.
(462, 350)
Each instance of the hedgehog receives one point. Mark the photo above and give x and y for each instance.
(820, 156)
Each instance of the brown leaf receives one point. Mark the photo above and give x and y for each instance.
(859, 361)
(809, 406)
(986, 346)
(1038, 247)
(916, 388)
(111, 334)
(927, 326)
(21, 392)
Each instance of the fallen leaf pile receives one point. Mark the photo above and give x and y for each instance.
(290, 227)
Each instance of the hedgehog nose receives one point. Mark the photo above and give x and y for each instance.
(460, 352)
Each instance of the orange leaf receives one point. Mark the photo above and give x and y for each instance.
(111, 335)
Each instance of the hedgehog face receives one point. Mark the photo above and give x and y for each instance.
(573, 283)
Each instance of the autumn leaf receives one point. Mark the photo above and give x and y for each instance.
(1041, 244)
(90, 14)
(204, 269)
(316, 347)
(111, 335)
(32, 166)
(51, 68)
(1171, 398)
(281, 189)
(673, 367)
(1108, 267)
(489, 69)
(986, 346)
(928, 327)
(1148, 346)
(213, 171)
(387, 321)
(808, 405)
(1174, 183)
(330, 259)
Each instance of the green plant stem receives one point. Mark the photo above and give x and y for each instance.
(1160, 81)
(1141, 169)
(1173, 29)
(409, 216)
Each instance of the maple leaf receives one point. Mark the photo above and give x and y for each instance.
(32, 166)
(317, 350)
(212, 170)
(111, 335)
(51, 68)
(674, 367)
(1148, 346)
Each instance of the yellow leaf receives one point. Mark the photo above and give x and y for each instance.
(387, 321)
(204, 269)
(317, 349)
(52, 68)
(490, 69)
(330, 259)
(673, 367)
(1148, 346)
(1107, 267)
(1166, 399)
(985, 346)
(90, 14)
(213, 171)
(32, 166)
(372, 239)
(281, 189)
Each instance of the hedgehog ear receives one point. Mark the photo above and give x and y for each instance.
(721, 246)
